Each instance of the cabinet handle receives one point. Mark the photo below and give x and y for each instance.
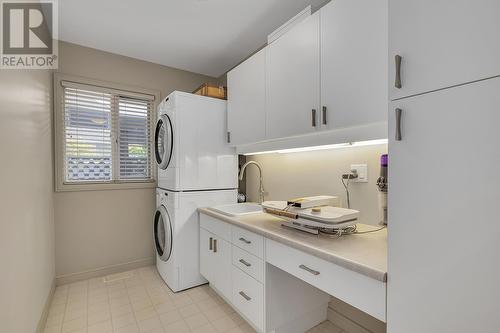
(210, 243)
(245, 296)
(215, 245)
(313, 117)
(228, 137)
(307, 269)
(397, 82)
(246, 241)
(244, 262)
(324, 116)
(398, 124)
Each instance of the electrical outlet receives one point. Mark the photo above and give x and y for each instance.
(362, 171)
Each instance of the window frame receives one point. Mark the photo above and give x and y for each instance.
(58, 121)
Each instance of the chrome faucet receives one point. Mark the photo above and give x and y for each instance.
(261, 187)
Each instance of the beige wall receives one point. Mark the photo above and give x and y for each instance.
(26, 198)
(318, 172)
(102, 229)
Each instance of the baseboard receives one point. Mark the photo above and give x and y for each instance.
(102, 271)
(45, 312)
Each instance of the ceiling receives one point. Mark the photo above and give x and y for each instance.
(203, 36)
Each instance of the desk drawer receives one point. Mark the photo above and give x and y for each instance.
(248, 241)
(248, 263)
(248, 298)
(367, 294)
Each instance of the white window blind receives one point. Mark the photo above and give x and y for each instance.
(107, 135)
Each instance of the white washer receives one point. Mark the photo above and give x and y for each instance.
(176, 234)
(191, 147)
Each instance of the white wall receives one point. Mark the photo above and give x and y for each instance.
(318, 172)
(105, 229)
(26, 198)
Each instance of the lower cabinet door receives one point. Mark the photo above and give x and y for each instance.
(248, 298)
(221, 267)
(206, 254)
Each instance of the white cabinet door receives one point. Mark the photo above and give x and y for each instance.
(222, 267)
(442, 43)
(246, 104)
(353, 63)
(293, 81)
(443, 237)
(206, 254)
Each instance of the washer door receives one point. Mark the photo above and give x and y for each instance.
(164, 141)
(163, 233)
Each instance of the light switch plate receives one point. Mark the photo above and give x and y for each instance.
(362, 171)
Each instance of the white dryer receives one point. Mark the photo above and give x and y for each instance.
(191, 149)
(176, 234)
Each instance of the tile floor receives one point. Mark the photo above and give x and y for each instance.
(138, 301)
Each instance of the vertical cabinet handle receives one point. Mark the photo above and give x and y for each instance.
(398, 124)
(313, 117)
(215, 245)
(228, 137)
(397, 82)
(324, 116)
(210, 244)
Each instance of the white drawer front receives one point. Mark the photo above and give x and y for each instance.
(367, 294)
(248, 263)
(248, 241)
(248, 298)
(217, 227)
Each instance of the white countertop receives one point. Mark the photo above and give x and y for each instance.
(362, 253)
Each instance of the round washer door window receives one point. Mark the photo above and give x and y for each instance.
(163, 233)
(164, 139)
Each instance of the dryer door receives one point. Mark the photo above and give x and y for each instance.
(163, 233)
(164, 141)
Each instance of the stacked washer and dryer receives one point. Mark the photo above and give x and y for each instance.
(196, 168)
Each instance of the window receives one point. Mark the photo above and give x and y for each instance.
(106, 136)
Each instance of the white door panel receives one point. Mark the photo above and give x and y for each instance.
(443, 237)
(353, 63)
(442, 43)
(293, 70)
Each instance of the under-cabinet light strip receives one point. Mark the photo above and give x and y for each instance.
(323, 147)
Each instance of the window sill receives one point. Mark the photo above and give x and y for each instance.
(104, 186)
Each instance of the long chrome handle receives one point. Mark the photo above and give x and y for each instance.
(397, 82)
(324, 116)
(210, 244)
(215, 245)
(313, 117)
(246, 241)
(245, 296)
(398, 124)
(307, 269)
(244, 262)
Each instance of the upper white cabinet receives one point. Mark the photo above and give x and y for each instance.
(246, 118)
(353, 63)
(324, 81)
(442, 43)
(293, 79)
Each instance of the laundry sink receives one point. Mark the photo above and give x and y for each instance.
(239, 209)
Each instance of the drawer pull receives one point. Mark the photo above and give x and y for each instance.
(244, 262)
(215, 245)
(245, 296)
(246, 241)
(307, 269)
(210, 244)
